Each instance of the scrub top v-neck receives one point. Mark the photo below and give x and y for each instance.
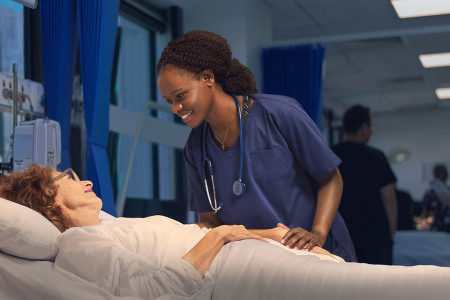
(284, 156)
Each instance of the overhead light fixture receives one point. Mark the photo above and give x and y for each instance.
(435, 60)
(398, 154)
(28, 3)
(443, 93)
(420, 8)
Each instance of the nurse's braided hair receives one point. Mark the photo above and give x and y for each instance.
(200, 50)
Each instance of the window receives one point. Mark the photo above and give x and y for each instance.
(11, 51)
(133, 90)
(157, 184)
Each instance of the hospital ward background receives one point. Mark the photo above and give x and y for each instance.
(93, 81)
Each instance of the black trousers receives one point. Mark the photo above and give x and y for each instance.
(380, 255)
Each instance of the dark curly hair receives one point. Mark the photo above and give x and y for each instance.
(200, 50)
(440, 171)
(34, 189)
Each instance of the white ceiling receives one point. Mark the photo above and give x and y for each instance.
(373, 58)
(384, 73)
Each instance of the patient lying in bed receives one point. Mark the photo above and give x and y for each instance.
(157, 257)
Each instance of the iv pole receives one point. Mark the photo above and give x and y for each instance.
(15, 94)
(15, 68)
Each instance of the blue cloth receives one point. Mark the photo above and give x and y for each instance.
(284, 156)
(296, 72)
(98, 28)
(59, 48)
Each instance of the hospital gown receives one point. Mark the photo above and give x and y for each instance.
(143, 258)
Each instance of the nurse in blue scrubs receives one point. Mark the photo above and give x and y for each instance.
(252, 159)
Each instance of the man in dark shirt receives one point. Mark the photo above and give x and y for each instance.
(405, 219)
(368, 204)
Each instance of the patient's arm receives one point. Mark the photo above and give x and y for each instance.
(209, 220)
(275, 234)
(202, 255)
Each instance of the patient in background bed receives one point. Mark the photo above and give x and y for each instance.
(435, 206)
(157, 257)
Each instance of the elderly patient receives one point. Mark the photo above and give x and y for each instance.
(157, 257)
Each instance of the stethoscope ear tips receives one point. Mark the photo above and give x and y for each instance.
(238, 187)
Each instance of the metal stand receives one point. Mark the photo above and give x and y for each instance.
(9, 166)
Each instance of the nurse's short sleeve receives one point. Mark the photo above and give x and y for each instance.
(307, 143)
(198, 199)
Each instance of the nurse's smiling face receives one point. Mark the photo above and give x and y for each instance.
(190, 95)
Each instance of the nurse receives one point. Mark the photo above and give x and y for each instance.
(252, 159)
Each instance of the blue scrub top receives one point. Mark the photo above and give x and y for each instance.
(284, 156)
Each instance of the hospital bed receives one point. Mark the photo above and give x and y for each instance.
(28, 246)
(28, 279)
(30, 274)
(417, 247)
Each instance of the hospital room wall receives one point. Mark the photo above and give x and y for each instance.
(426, 134)
(244, 23)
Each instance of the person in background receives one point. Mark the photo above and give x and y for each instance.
(433, 205)
(369, 203)
(405, 219)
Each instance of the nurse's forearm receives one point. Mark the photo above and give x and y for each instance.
(328, 199)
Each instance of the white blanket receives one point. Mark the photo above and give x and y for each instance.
(142, 258)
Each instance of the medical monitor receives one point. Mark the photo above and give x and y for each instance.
(37, 142)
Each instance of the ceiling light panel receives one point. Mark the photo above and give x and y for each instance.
(435, 60)
(443, 93)
(421, 8)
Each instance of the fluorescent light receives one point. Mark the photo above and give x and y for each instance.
(421, 8)
(443, 93)
(435, 60)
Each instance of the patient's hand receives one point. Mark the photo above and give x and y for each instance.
(233, 233)
(277, 233)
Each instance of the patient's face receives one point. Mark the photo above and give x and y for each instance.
(72, 194)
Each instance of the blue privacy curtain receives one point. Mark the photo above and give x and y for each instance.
(296, 72)
(98, 28)
(59, 45)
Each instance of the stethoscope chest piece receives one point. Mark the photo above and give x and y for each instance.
(238, 187)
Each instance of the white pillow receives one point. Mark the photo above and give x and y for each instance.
(25, 233)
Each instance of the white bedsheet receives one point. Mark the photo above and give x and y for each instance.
(143, 260)
(26, 279)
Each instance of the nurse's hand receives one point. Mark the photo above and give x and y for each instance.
(299, 238)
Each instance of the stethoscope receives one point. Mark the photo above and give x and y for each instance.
(238, 185)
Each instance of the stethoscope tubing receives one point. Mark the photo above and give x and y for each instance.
(207, 160)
